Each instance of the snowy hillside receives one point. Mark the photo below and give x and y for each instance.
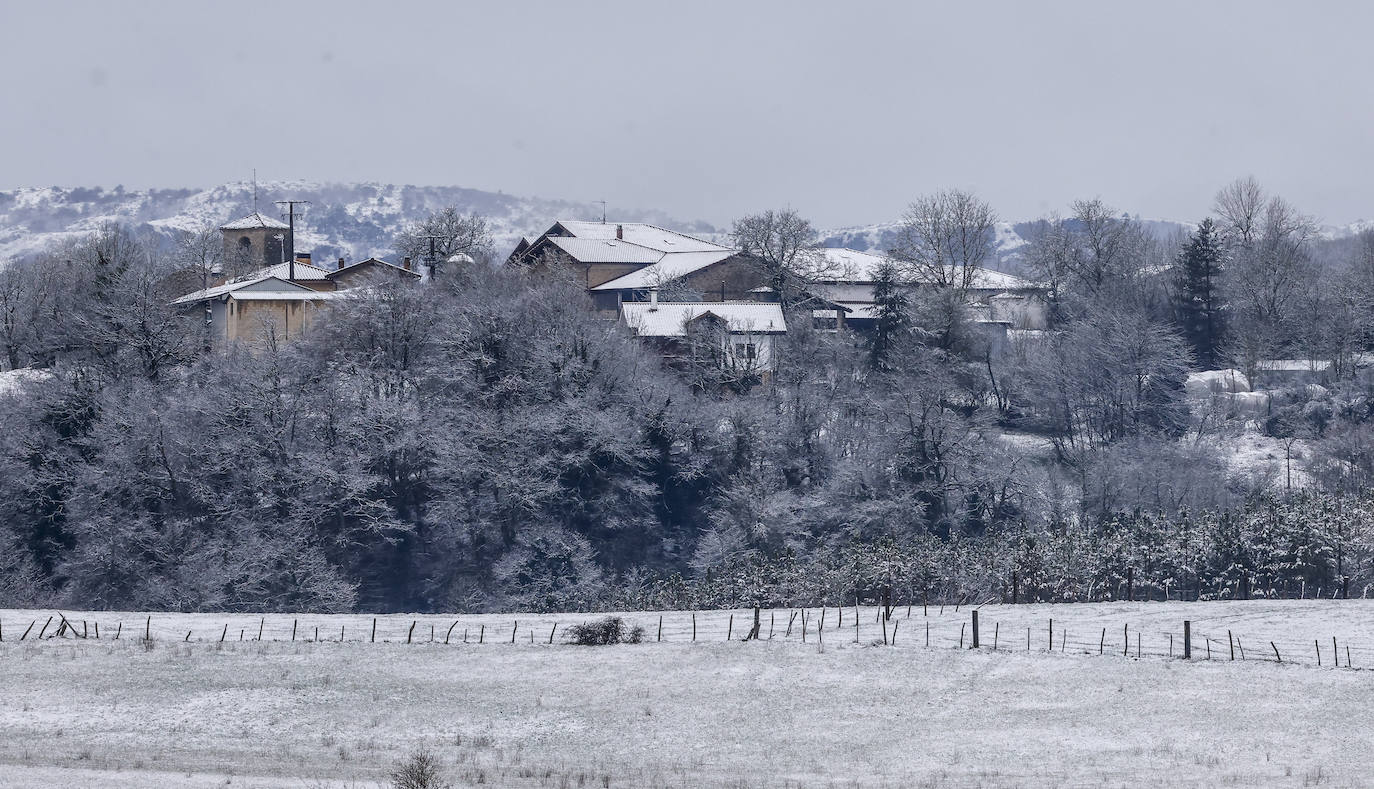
(350, 220)
(358, 220)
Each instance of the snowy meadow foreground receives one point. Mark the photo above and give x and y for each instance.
(187, 710)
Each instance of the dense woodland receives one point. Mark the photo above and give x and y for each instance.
(485, 442)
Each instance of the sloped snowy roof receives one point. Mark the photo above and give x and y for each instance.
(1294, 365)
(851, 265)
(283, 271)
(373, 262)
(638, 233)
(282, 295)
(276, 284)
(670, 267)
(597, 250)
(255, 221)
(670, 318)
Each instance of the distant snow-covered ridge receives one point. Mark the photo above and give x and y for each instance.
(352, 220)
(358, 220)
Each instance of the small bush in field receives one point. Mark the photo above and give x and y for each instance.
(609, 630)
(420, 771)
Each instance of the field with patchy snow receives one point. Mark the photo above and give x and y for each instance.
(175, 712)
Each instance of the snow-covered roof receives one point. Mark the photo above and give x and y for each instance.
(283, 271)
(281, 295)
(255, 221)
(373, 262)
(851, 265)
(668, 268)
(856, 309)
(264, 284)
(670, 318)
(640, 234)
(605, 250)
(1294, 365)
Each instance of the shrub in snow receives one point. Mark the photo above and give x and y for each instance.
(420, 771)
(609, 630)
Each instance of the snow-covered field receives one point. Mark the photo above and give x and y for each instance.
(780, 712)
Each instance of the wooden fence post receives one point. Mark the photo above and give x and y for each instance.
(261, 622)
(224, 633)
(894, 633)
(660, 627)
(730, 630)
(293, 630)
(1051, 634)
(148, 629)
(996, 626)
(317, 634)
(1187, 639)
(962, 625)
(1318, 647)
(1335, 656)
(411, 631)
(514, 628)
(553, 630)
(694, 626)
(975, 629)
(1232, 643)
(772, 620)
(1102, 642)
(856, 619)
(1276, 652)
(1126, 636)
(450, 631)
(26, 630)
(482, 634)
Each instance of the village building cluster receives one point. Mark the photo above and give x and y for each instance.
(668, 288)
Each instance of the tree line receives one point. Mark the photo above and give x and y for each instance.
(484, 441)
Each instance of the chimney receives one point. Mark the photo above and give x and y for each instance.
(303, 257)
(341, 263)
(653, 299)
(405, 263)
(619, 232)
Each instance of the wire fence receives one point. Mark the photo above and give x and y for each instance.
(996, 628)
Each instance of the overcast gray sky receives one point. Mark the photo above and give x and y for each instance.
(842, 110)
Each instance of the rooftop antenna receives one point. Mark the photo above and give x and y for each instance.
(603, 210)
(291, 237)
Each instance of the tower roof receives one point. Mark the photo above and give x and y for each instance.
(255, 221)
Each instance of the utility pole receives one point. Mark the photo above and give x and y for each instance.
(432, 259)
(291, 236)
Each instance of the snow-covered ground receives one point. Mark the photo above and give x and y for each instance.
(780, 712)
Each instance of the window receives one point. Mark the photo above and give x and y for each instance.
(746, 350)
(244, 243)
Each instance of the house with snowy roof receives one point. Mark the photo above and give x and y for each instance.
(282, 290)
(732, 335)
(624, 261)
(847, 276)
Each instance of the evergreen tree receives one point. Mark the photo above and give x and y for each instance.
(1198, 301)
(890, 305)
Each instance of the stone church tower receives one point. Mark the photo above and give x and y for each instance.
(252, 243)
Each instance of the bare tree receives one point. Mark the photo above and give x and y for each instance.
(945, 237)
(1240, 204)
(450, 232)
(785, 247)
